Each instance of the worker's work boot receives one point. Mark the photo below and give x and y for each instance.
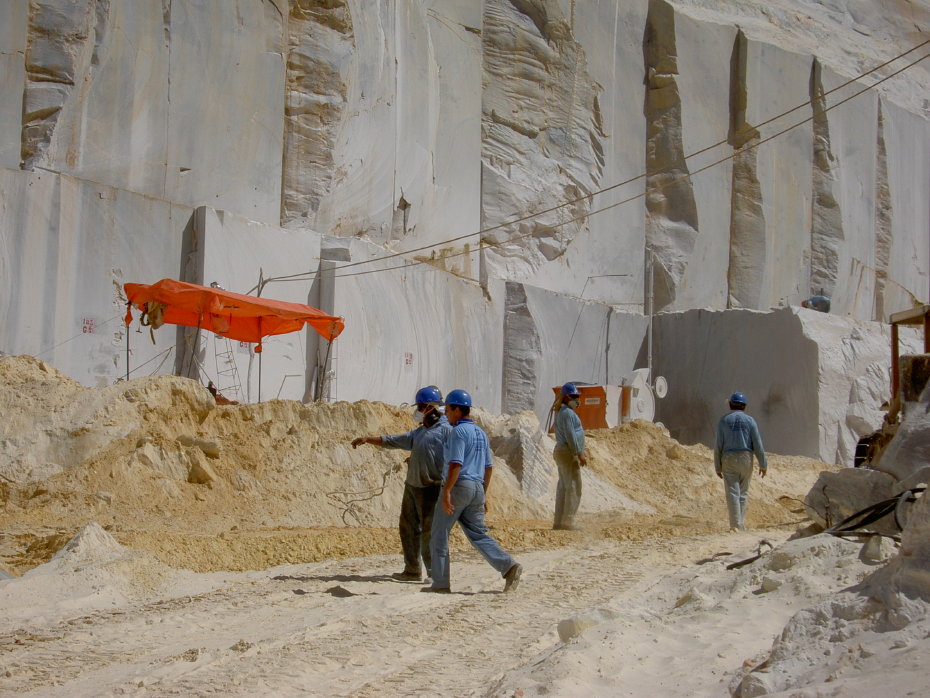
(512, 577)
(407, 576)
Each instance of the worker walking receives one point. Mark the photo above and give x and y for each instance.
(466, 476)
(422, 485)
(737, 440)
(569, 458)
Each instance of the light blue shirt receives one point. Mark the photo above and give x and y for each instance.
(468, 446)
(737, 431)
(426, 451)
(568, 430)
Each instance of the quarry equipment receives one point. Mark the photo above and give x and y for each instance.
(869, 448)
(605, 406)
(232, 315)
(855, 523)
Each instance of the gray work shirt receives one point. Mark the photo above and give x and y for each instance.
(568, 430)
(425, 446)
(737, 431)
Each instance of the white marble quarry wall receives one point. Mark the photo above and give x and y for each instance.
(62, 280)
(562, 119)
(609, 255)
(880, 266)
(844, 226)
(412, 326)
(179, 100)
(551, 338)
(395, 126)
(767, 252)
(815, 382)
(383, 124)
(415, 124)
(13, 22)
(907, 279)
(688, 223)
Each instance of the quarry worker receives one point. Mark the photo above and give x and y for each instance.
(569, 458)
(819, 303)
(737, 440)
(466, 475)
(422, 484)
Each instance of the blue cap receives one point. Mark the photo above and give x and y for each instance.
(570, 390)
(428, 394)
(738, 399)
(458, 397)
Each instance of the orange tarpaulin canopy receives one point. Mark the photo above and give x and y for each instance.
(232, 315)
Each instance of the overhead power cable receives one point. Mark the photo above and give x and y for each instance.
(71, 339)
(639, 195)
(590, 195)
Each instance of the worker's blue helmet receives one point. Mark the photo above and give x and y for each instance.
(426, 395)
(458, 397)
(738, 399)
(570, 390)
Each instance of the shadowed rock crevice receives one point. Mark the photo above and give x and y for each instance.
(320, 43)
(827, 234)
(61, 46)
(542, 133)
(747, 219)
(522, 349)
(883, 217)
(671, 213)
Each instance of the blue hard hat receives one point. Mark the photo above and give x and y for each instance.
(570, 390)
(738, 399)
(428, 394)
(458, 397)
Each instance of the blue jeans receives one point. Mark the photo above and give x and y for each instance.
(736, 467)
(468, 503)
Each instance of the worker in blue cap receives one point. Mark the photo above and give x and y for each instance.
(422, 484)
(569, 458)
(737, 440)
(466, 474)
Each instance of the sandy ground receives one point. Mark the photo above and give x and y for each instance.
(597, 617)
(346, 628)
(156, 544)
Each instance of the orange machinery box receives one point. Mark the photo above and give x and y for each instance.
(600, 405)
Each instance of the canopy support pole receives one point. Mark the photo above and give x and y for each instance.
(322, 373)
(127, 346)
(193, 349)
(259, 377)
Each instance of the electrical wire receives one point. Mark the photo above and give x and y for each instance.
(484, 245)
(659, 187)
(165, 351)
(71, 339)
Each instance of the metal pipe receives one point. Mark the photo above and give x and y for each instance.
(127, 351)
(650, 257)
(895, 382)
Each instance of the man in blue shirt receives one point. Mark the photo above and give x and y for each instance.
(569, 458)
(737, 440)
(424, 473)
(466, 475)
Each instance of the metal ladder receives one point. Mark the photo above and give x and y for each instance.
(227, 373)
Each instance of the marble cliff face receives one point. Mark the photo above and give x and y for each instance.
(543, 170)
